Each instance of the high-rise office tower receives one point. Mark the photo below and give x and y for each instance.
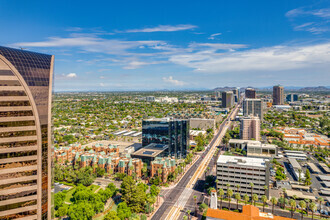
(25, 134)
(250, 128)
(236, 95)
(250, 93)
(292, 97)
(253, 107)
(167, 131)
(227, 99)
(278, 95)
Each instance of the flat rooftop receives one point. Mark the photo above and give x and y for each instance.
(240, 141)
(294, 163)
(151, 150)
(242, 161)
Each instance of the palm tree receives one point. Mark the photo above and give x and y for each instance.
(237, 197)
(264, 201)
(246, 199)
(307, 205)
(195, 200)
(221, 194)
(312, 207)
(255, 198)
(228, 185)
(293, 204)
(273, 200)
(188, 212)
(252, 185)
(302, 205)
(237, 187)
(320, 201)
(229, 195)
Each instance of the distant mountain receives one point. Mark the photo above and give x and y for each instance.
(224, 88)
(315, 89)
(286, 88)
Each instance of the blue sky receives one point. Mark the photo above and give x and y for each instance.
(147, 45)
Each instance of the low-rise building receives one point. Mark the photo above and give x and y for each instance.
(255, 148)
(162, 167)
(249, 212)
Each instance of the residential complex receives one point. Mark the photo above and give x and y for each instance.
(250, 93)
(162, 167)
(25, 140)
(278, 95)
(167, 131)
(250, 128)
(242, 171)
(253, 107)
(227, 99)
(300, 138)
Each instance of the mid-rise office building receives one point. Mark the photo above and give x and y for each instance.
(25, 134)
(250, 93)
(227, 99)
(242, 171)
(250, 128)
(292, 98)
(167, 131)
(278, 95)
(253, 107)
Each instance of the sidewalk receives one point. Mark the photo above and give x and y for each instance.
(161, 201)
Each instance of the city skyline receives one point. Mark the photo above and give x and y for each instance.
(184, 46)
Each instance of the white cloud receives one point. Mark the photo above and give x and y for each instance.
(163, 28)
(73, 29)
(71, 75)
(315, 21)
(91, 44)
(102, 77)
(102, 85)
(173, 81)
(275, 58)
(212, 36)
(66, 76)
(138, 64)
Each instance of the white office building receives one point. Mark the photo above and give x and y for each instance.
(242, 171)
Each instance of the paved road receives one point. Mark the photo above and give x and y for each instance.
(171, 197)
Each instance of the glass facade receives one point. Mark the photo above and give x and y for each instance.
(171, 132)
(25, 89)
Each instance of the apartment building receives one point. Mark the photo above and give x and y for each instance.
(250, 128)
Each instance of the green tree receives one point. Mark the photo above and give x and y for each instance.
(112, 215)
(273, 200)
(308, 180)
(251, 185)
(123, 211)
(62, 211)
(312, 207)
(237, 197)
(255, 199)
(81, 211)
(246, 199)
(264, 201)
(221, 193)
(229, 195)
(292, 204)
(302, 205)
(133, 195)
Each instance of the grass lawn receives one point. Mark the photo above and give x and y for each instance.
(69, 193)
(94, 187)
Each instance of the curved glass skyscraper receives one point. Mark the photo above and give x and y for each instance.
(25, 134)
